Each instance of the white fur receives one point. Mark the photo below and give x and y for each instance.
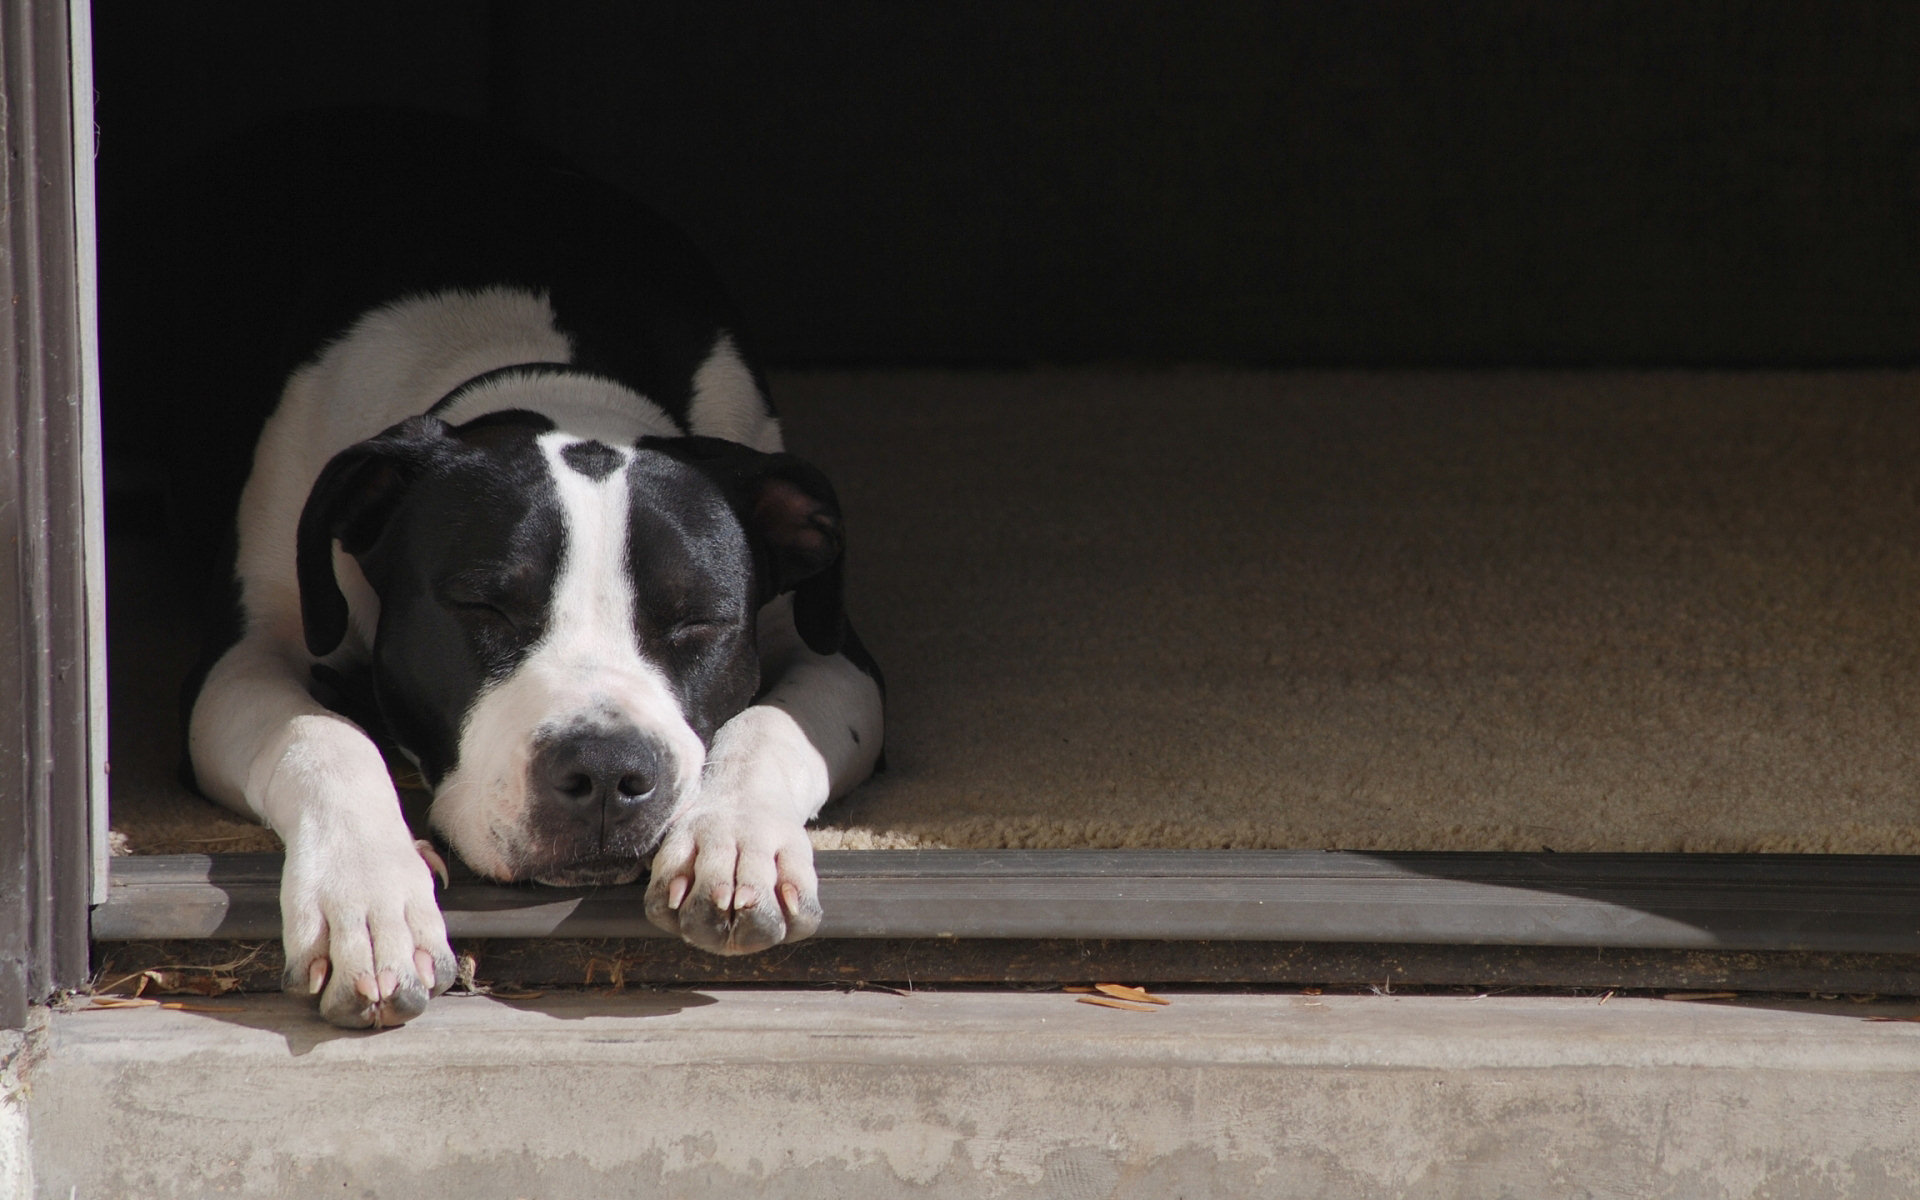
(583, 407)
(586, 669)
(393, 364)
(727, 404)
(357, 899)
(741, 842)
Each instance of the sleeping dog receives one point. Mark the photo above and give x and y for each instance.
(519, 505)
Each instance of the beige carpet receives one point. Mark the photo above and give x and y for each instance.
(1374, 611)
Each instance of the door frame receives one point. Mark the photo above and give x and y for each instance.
(52, 596)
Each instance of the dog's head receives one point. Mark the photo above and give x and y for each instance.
(563, 624)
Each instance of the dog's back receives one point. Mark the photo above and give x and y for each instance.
(257, 255)
(260, 255)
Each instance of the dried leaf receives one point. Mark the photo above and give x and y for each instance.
(1107, 1002)
(200, 979)
(199, 983)
(1701, 996)
(1915, 1019)
(616, 971)
(465, 979)
(1120, 991)
(119, 1002)
(183, 1006)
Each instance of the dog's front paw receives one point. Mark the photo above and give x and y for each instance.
(734, 883)
(363, 932)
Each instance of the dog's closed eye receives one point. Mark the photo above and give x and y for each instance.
(485, 611)
(503, 599)
(696, 632)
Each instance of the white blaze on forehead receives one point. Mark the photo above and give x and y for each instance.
(588, 669)
(592, 602)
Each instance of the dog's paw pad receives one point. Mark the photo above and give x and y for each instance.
(374, 1001)
(370, 944)
(733, 885)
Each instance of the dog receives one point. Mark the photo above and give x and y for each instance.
(518, 509)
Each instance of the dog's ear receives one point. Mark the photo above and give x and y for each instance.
(797, 517)
(792, 519)
(351, 502)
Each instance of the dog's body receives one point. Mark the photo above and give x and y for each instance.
(521, 489)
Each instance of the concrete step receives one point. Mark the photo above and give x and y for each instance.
(738, 1093)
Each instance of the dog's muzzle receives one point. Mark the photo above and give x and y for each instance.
(599, 798)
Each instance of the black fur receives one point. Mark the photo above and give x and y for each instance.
(282, 241)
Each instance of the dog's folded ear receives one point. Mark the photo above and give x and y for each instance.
(351, 502)
(792, 519)
(796, 516)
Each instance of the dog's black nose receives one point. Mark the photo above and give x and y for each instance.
(598, 776)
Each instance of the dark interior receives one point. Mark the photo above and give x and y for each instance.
(1388, 184)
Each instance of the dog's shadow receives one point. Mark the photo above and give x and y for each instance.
(297, 1022)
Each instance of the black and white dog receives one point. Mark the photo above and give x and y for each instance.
(518, 488)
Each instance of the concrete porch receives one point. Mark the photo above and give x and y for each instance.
(749, 1092)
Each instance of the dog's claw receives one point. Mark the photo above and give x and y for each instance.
(731, 885)
(316, 976)
(376, 1000)
(435, 863)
